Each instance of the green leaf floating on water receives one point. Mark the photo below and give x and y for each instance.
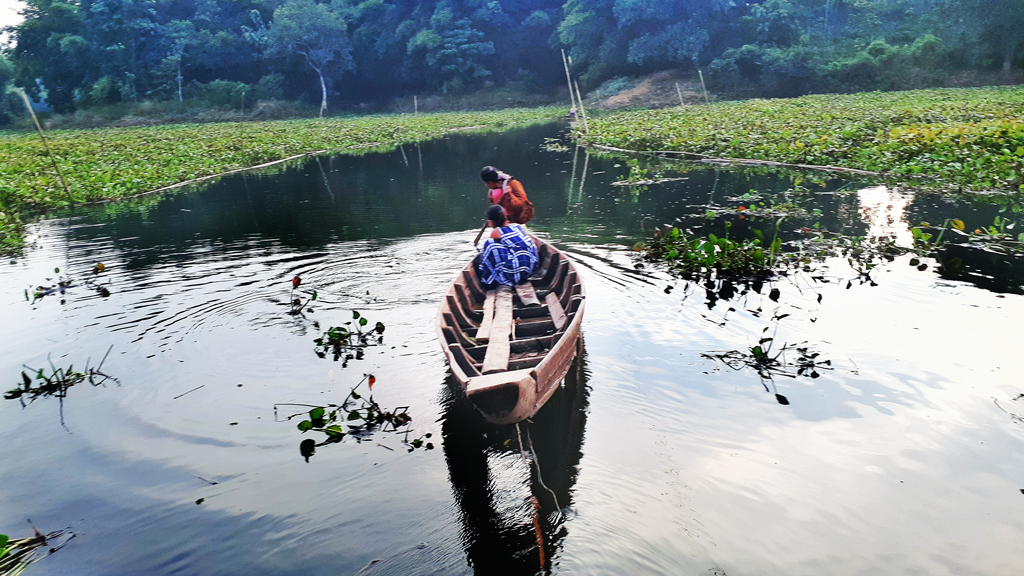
(305, 425)
(316, 413)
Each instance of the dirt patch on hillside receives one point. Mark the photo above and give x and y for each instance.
(657, 90)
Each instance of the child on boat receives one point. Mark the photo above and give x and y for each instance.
(507, 192)
(509, 255)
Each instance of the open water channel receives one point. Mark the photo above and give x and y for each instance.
(904, 458)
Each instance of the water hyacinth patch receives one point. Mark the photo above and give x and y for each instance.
(111, 163)
(971, 139)
(712, 257)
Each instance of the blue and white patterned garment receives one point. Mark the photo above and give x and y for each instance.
(509, 260)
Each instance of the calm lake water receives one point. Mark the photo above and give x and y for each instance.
(905, 458)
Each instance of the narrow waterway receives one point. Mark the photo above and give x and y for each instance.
(903, 456)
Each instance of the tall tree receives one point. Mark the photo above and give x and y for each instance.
(50, 48)
(318, 34)
(1000, 27)
(181, 34)
(452, 48)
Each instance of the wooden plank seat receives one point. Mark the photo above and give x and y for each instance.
(496, 359)
(527, 295)
(484, 332)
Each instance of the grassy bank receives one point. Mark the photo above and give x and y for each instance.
(970, 138)
(113, 163)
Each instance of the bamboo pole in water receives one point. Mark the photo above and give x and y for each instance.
(583, 177)
(46, 145)
(406, 159)
(568, 80)
(572, 181)
(703, 87)
(415, 105)
(579, 96)
(680, 94)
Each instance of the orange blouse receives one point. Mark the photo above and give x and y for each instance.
(512, 197)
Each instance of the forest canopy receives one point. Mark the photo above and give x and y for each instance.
(231, 53)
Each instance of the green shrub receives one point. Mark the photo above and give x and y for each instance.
(879, 50)
(106, 90)
(220, 94)
(929, 52)
(767, 70)
(775, 72)
(270, 87)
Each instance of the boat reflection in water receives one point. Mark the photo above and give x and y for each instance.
(511, 523)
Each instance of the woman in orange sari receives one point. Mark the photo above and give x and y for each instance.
(507, 192)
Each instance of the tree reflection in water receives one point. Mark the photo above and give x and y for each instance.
(485, 468)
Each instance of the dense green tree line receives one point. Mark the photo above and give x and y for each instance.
(80, 53)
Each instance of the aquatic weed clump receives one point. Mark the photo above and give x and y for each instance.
(57, 383)
(713, 257)
(357, 417)
(17, 554)
(349, 340)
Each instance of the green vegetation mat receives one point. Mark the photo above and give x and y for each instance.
(113, 163)
(971, 138)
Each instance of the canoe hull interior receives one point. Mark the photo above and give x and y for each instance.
(542, 351)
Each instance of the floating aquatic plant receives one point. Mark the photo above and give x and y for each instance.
(16, 555)
(357, 417)
(296, 303)
(769, 363)
(713, 257)
(61, 283)
(57, 382)
(348, 341)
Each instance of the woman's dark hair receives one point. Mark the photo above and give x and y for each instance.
(496, 214)
(490, 174)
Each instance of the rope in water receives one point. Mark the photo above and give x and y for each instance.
(536, 505)
(536, 463)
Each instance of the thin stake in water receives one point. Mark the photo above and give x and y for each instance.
(46, 144)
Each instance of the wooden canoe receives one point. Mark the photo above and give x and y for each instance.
(510, 349)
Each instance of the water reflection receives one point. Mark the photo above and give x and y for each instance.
(501, 523)
(884, 211)
(685, 470)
